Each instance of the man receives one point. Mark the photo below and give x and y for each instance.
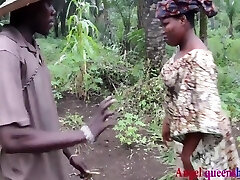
(32, 146)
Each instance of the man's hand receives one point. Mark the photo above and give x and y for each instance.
(99, 121)
(77, 163)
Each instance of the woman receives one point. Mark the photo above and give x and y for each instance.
(194, 118)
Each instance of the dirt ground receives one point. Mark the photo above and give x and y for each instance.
(115, 162)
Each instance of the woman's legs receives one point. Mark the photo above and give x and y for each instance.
(190, 143)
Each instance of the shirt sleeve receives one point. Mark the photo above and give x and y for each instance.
(207, 97)
(199, 97)
(12, 106)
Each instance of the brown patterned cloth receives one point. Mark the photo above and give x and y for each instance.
(169, 8)
(192, 104)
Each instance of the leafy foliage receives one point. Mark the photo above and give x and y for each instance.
(141, 103)
(72, 121)
(81, 47)
(128, 129)
(86, 66)
(226, 53)
(52, 48)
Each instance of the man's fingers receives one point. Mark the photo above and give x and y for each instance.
(111, 123)
(84, 167)
(106, 100)
(108, 104)
(85, 176)
(108, 113)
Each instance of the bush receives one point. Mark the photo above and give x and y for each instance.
(226, 54)
(72, 121)
(52, 48)
(141, 109)
(128, 128)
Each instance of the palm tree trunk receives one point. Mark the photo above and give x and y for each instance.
(155, 45)
(140, 10)
(203, 27)
(108, 33)
(56, 27)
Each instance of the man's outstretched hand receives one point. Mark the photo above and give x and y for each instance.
(99, 122)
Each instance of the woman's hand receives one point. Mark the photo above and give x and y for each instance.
(99, 121)
(166, 131)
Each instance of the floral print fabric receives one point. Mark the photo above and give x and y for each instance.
(169, 8)
(192, 104)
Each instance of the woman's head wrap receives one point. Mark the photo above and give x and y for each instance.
(169, 8)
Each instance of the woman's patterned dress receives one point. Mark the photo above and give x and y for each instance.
(193, 104)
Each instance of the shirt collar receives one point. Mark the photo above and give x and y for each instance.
(12, 33)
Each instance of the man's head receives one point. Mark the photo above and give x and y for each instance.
(39, 17)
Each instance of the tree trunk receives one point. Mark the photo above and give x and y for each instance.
(155, 44)
(203, 27)
(108, 32)
(231, 28)
(127, 27)
(56, 28)
(59, 6)
(140, 10)
(63, 15)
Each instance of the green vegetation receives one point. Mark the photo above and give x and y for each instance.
(104, 53)
(141, 110)
(72, 121)
(226, 53)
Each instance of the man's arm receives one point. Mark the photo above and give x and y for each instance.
(27, 140)
(16, 134)
(15, 139)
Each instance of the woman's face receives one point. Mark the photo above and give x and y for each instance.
(174, 30)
